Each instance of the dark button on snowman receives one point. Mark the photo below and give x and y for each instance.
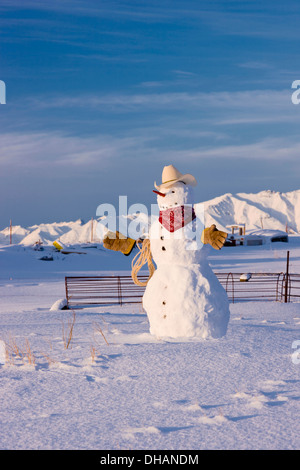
(183, 298)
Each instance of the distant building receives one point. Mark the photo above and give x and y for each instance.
(240, 227)
(234, 238)
(267, 236)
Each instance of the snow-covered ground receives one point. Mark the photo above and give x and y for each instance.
(117, 387)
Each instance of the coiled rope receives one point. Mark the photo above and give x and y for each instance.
(140, 259)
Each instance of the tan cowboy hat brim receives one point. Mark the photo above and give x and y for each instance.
(187, 179)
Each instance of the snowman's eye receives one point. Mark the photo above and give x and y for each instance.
(173, 192)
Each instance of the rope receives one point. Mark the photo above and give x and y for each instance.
(140, 259)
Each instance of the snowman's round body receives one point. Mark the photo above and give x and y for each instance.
(184, 297)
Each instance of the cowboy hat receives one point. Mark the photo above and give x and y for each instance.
(171, 175)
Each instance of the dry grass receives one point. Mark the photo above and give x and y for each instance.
(98, 329)
(29, 353)
(8, 358)
(94, 352)
(13, 348)
(67, 331)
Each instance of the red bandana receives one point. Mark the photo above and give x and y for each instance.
(176, 217)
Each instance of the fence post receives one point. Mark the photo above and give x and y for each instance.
(287, 277)
(67, 293)
(231, 275)
(119, 290)
(277, 287)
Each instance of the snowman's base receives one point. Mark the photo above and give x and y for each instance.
(186, 302)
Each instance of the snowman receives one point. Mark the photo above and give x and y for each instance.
(183, 297)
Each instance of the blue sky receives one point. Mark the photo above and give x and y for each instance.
(102, 94)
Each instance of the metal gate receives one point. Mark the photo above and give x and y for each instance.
(102, 290)
(84, 291)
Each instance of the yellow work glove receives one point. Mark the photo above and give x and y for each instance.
(213, 237)
(117, 242)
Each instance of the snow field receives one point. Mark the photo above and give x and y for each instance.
(118, 387)
(137, 392)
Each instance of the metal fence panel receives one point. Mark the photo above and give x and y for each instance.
(84, 291)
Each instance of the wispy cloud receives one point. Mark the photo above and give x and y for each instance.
(184, 73)
(185, 124)
(56, 151)
(144, 12)
(265, 20)
(256, 65)
(270, 149)
(256, 19)
(252, 104)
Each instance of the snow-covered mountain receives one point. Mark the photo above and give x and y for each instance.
(264, 210)
(46, 233)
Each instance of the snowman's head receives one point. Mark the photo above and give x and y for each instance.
(179, 194)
